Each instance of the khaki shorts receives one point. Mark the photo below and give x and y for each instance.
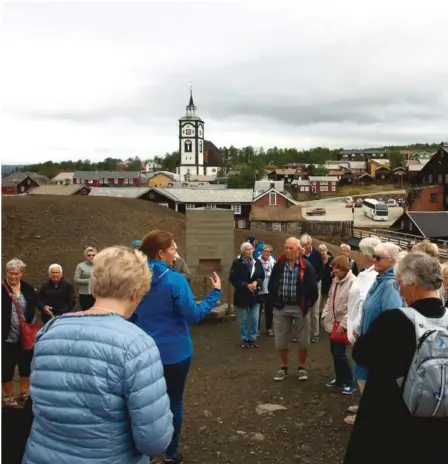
(283, 323)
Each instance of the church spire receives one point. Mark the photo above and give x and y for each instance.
(191, 108)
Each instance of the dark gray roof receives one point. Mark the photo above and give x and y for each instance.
(16, 177)
(433, 224)
(93, 175)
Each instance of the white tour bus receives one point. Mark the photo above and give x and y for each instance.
(376, 210)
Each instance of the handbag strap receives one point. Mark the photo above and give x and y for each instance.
(14, 301)
(332, 300)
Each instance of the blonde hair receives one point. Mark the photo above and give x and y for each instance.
(121, 273)
(427, 247)
(342, 263)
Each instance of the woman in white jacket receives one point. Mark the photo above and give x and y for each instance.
(336, 311)
(356, 297)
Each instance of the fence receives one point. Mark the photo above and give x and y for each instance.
(316, 228)
(400, 239)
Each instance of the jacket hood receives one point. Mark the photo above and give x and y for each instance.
(388, 275)
(159, 270)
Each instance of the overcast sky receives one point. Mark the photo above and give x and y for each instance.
(91, 81)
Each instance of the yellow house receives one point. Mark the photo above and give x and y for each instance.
(160, 179)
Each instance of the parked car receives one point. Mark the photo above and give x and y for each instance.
(317, 212)
(349, 204)
(358, 203)
(391, 203)
(348, 199)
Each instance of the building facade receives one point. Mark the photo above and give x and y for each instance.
(324, 185)
(108, 178)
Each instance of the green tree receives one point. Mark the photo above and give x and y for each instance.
(245, 179)
(395, 158)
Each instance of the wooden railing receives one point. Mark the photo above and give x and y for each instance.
(400, 239)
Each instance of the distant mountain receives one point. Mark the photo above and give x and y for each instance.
(8, 168)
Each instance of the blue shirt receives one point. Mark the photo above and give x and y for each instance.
(167, 310)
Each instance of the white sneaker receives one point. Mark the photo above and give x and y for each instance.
(302, 374)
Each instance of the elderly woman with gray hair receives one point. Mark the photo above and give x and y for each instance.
(382, 295)
(17, 295)
(247, 275)
(385, 431)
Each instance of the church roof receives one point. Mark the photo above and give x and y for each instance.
(212, 155)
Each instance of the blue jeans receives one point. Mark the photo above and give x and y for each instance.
(248, 318)
(342, 369)
(176, 378)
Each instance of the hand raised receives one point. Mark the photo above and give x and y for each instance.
(215, 281)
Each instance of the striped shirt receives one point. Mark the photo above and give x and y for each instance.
(288, 287)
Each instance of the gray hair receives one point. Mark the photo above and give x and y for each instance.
(322, 246)
(345, 246)
(367, 246)
(245, 246)
(53, 266)
(420, 269)
(16, 263)
(88, 249)
(390, 250)
(306, 239)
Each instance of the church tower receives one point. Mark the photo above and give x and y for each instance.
(191, 142)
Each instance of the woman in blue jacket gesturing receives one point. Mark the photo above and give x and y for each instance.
(165, 314)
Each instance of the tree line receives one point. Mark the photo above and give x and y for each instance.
(249, 161)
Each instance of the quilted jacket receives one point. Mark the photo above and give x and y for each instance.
(99, 394)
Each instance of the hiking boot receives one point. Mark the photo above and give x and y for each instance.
(281, 374)
(302, 374)
(315, 339)
(10, 402)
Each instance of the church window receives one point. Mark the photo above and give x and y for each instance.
(200, 146)
(188, 146)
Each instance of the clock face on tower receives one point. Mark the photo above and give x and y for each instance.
(188, 131)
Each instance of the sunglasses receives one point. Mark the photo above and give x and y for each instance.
(379, 258)
(91, 256)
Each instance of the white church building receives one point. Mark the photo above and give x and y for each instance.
(198, 157)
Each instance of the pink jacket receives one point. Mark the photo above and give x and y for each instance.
(337, 303)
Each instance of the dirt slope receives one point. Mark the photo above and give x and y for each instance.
(50, 229)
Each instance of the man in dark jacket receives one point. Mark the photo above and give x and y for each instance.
(293, 289)
(57, 295)
(314, 257)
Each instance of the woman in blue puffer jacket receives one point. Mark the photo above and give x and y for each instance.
(97, 385)
(165, 314)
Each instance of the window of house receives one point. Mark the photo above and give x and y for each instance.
(410, 226)
(402, 224)
(433, 198)
(276, 227)
(131, 181)
(125, 181)
(241, 223)
(188, 146)
(90, 181)
(440, 178)
(430, 178)
(191, 206)
(115, 181)
(200, 146)
(323, 188)
(105, 181)
(22, 188)
(211, 206)
(272, 199)
(236, 208)
(333, 187)
(307, 189)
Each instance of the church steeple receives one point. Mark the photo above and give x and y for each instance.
(191, 108)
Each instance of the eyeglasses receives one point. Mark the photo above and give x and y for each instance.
(379, 258)
(91, 256)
